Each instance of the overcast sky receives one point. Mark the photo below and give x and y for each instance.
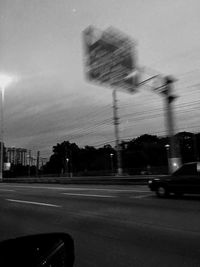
(41, 45)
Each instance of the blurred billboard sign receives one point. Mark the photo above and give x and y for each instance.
(110, 58)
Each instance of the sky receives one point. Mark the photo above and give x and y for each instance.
(50, 99)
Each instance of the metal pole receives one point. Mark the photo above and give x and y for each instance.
(167, 149)
(111, 159)
(2, 135)
(67, 166)
(116, 127)
(174, 153)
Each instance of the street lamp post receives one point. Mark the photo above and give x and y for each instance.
(167, 146)
(67, 161)
(5, 80)
(111, 161)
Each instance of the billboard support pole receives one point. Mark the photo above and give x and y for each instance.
(116, 127)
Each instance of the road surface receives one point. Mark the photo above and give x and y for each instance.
(111, 225)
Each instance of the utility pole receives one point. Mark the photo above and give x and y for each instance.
(174, 151)
(116, 127)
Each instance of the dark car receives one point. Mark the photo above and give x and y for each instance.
(186, 180)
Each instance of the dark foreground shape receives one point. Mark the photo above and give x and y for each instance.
(44, 250)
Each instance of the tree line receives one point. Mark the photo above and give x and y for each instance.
(141, 154)
(144, 154)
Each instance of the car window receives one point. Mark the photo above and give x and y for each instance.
(187, 169)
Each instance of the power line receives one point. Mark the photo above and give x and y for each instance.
(183, 105)
(106, 124)
(161, 109)
(135, 136)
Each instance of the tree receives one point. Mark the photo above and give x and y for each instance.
(58, 161)
(145, 150)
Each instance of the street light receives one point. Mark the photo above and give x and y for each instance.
(167, 146)
(5, 80)
(111, 160)
(67, 160)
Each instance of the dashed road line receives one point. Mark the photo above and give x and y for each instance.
(88, 195)
(138, 191)
(141, 196)
(106, 189)
(33, 203)
(7, 190)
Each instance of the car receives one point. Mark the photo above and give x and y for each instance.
(185, 180)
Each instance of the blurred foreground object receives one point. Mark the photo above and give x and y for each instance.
(43, 250)
(110, 58)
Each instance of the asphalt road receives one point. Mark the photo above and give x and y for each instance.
(111, 225)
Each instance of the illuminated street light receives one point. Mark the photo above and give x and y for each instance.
(67, 160)
(167, 146)
(111, 160)
(5, 81)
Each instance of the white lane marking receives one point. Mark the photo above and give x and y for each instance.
(106, 189)
(86, 195)
(138, 191)
(141, 196)
(7, 190)
(32, 202)
(36, 187)
(81, 188)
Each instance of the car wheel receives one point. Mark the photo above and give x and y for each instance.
(161, 191)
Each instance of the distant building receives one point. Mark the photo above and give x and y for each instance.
(17, 156)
